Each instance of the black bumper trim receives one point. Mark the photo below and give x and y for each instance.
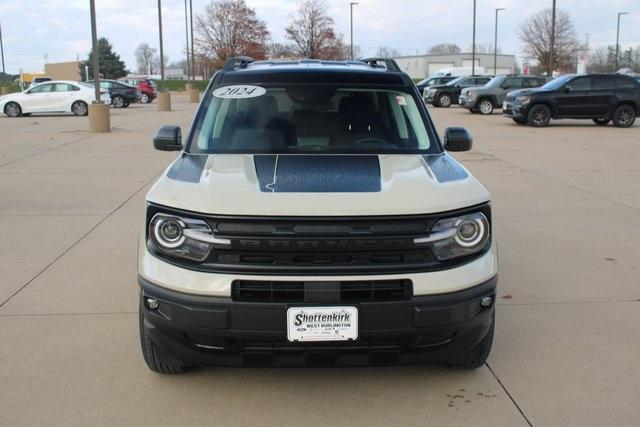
(204, 330)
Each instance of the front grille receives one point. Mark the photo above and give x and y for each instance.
(333, 292)
(320, 245)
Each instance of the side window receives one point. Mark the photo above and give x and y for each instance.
(65, 87)
(602, 83)
(579, 84)
(105, 85)
(625, 83)
(43, 88)
(467, 82)
(513, 83)
(482, 81)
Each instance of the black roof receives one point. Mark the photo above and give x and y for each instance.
(365, 71)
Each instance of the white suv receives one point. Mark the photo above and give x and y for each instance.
(314, 217)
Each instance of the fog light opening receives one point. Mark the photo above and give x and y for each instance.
(151, 303)
(486, 301)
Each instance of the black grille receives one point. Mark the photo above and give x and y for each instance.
(334, 292)
(321, 245)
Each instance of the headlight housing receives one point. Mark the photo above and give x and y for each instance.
(458, 236)
(183, 237)
(472, 94)
(523, 99)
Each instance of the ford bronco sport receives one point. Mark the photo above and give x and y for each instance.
(314, 217)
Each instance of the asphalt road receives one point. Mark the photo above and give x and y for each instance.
(567, 345)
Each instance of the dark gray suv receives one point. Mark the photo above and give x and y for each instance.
(484, 99)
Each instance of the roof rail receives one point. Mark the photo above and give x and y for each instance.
(389, 63)
(237, 62)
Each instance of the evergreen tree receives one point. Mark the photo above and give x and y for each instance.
(111, 67)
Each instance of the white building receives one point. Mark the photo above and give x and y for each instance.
(421, 66)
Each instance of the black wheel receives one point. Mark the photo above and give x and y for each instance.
(117, 101)
(444, 100)
(539, 116)
(13, 109)
(601, 122)
(479, 354)
(624, 116)
(126, 104)
(144, 99)
(156, 359)
(519, 120)
(80, 108)
(485, 106)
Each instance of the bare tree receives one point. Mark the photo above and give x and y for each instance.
(444, 48)
(229, 28)
(280, 51)
(535, 35)
(387, 52)
(145, 56)
(311, 32)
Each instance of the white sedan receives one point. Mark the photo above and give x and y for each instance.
(59, 96)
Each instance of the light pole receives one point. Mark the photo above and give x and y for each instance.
(2, 50)
(351, 7)
(161, 47)
(473, 43)
(193, 56)
(552, 40)
(618, 40)
(96, 57)
(495, 44)
(186, 32)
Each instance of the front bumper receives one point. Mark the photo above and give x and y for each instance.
(513, 110)
(204, 330)
(467, 102)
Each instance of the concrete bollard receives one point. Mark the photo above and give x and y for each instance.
(99, 119)
(4, 90)
(194, 96)
(188, 87)
(164, 101)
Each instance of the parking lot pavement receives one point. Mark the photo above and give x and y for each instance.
(566, 203)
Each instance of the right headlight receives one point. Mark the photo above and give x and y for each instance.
(183, 237)
(523, 99)
(457, 236)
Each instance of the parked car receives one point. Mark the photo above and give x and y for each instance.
(430, 81)
(484, 99)
(121, 94)
(51, 97)
(458, 71)
(599, 97)
(447, 94)
(288, 231)
(148, 88)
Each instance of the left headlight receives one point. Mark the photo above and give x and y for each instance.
(183, 237)
(458, 236)
(523, 99)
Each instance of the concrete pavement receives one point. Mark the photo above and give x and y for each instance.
(567, 209)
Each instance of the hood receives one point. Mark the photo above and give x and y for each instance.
(526, 91)
(317, 185)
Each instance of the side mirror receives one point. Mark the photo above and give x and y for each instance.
(168, 138)
(567, 89)
(505, 87)
(457, 139)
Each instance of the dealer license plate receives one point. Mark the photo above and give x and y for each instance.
(322, 323)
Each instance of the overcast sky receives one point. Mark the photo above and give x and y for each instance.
(61, 29)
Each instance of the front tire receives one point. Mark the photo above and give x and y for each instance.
(156, 359)
(519, 120)
(13, 109)
(624, 116)
(485, 106)
(479, 354)
(539, 116)
(145, 99)
(444, 100)
(117, 101)
(80, 108)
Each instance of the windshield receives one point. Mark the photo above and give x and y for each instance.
(496, 81)
(310, 118)
(557, 83)
(454, 81)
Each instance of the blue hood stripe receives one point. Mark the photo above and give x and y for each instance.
(187, 168)
(318, 173)
(445, 169)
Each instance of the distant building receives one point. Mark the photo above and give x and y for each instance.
(421, 66)
(63, 70)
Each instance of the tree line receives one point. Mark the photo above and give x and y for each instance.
(228, 28)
